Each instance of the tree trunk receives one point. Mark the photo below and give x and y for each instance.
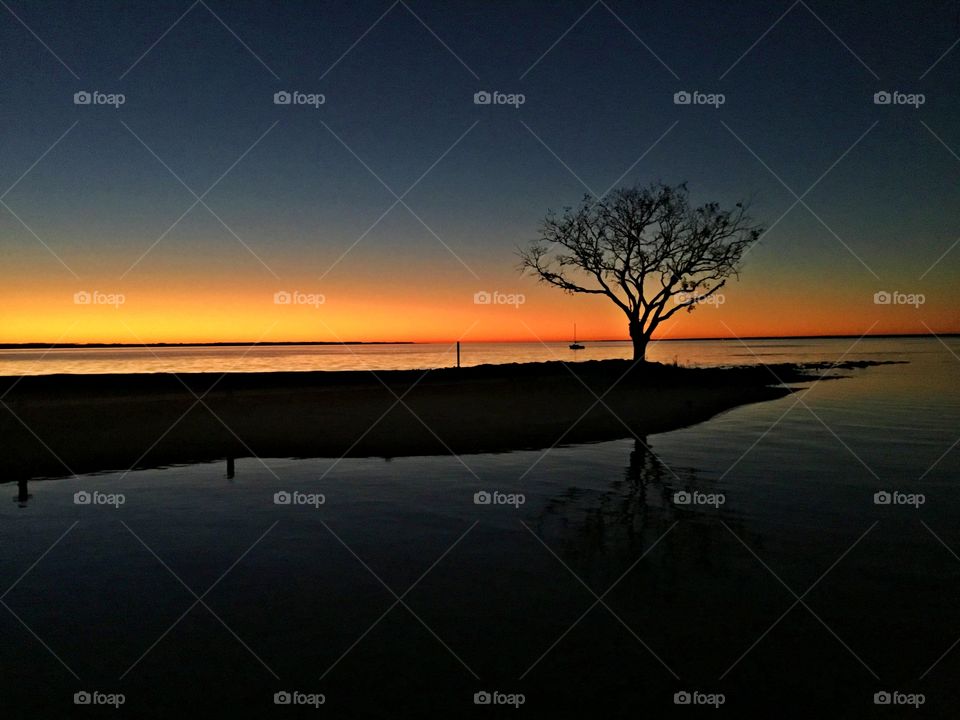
(640, 341)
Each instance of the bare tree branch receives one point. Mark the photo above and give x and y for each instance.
(641, 246)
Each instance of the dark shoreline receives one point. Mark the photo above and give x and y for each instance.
(58, 425)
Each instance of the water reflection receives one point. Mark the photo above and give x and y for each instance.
(596, 526)
(267, 358)
(620, 517)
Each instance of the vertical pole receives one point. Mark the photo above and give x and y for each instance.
(458, 353)
(230, 468)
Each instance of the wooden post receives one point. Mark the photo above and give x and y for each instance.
(458, 353)
(230, 468)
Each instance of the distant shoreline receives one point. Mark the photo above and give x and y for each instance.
(281, 343)
(295, 343)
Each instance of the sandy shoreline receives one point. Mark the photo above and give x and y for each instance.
(66, 424)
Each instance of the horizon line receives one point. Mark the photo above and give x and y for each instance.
(289, 343)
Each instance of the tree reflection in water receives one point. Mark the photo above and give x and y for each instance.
(600, 526)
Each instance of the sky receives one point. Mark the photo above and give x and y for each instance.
(382, 212)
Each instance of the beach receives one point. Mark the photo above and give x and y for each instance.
(66, 425)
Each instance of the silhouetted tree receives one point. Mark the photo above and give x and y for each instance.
(642, 247)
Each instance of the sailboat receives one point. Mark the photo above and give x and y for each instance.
(575, 345)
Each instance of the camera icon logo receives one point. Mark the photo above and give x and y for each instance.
(482, 98)
(282, 97)
(282, 498)
(82, 698)
(82, 98)
(682, 698)
(882, 297)
(882, 698)
(82, 497)
(482, 298)
(282, 698)
(882, 498)
(81, 298)
(682, 498)
(282, 297)
(882, 98)
(482, 698)
(482, 498)
(682, 98)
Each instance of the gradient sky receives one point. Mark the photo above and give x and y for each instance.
(799, 110)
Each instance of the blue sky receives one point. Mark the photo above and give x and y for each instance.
(599, 80)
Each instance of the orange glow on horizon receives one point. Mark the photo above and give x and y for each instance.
(200, 306)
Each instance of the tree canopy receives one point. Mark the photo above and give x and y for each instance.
(641, 247)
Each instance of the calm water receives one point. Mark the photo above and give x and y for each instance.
(700, 598)
(262, 358)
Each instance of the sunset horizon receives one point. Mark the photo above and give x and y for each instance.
(541, 315)
(464, 341)
(417, 358)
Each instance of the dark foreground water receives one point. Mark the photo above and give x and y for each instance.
(599, 595)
